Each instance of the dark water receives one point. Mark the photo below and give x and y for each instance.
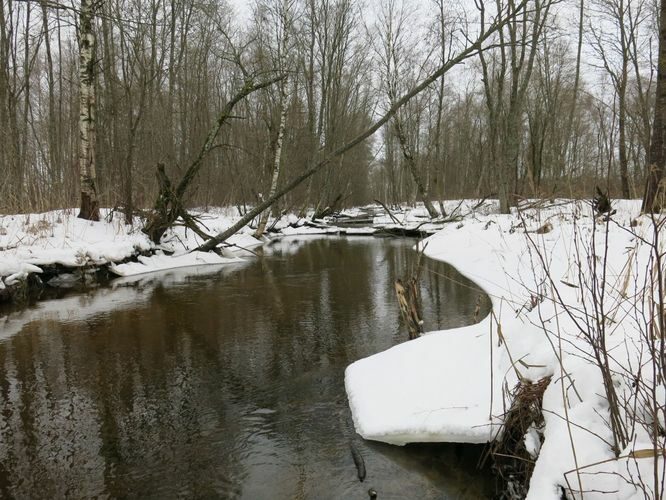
(221, 383)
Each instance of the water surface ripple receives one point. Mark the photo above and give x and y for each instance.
(221, 383)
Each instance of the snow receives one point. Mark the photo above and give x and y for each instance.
(307, 230)
(59, 237)
(29, 242)
(532, 441)
(393, 397)
(161, 262)
(439, 387)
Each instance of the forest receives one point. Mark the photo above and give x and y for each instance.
(546, 98)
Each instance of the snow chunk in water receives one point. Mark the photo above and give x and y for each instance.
(161, 262)
(432, 389)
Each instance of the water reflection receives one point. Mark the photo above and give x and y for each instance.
(219, 383)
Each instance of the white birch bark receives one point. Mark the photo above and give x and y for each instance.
(89, 203)
(278, 155)
(285, 19)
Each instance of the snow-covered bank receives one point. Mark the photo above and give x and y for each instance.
(562, 283)
(393, 397)
(542, 270)
(31, 242)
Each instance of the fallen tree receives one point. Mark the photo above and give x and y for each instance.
(469, 51)
(169, 206)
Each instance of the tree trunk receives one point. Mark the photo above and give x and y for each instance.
(278, 156)
(411, 165)
(653, 198)
(53, 135)
(622, 146)
(169, 204)
(89, 203)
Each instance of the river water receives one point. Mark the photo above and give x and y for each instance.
(222, 382)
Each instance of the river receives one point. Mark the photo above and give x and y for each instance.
(222, 382)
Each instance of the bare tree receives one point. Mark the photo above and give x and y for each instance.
(169, 206)
(468, 51)
(87, 129)
(615, 50)
(654, 192)
(283, 20)
(397, 59)
(506, 77)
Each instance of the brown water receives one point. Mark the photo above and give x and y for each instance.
(221, 382)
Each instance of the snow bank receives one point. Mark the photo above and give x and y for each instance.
(59, 237)
(439, 387)
(161, 262)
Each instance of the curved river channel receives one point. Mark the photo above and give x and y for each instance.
(222, 382)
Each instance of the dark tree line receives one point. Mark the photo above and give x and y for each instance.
(544, 107)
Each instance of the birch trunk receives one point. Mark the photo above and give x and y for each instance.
(89, 203)
(284, 19)
(278, 156)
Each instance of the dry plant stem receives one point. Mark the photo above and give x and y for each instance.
(524, 412)
(593, 328)
(658, 352)
(502, 341)
(565, 399)
(596, 336)
(603, 304)
(556, 351)
(492, 372)
(408, 300)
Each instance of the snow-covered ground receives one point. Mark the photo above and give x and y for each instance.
(30, 241)
(542, 270)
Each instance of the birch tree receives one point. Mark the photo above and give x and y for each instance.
(87, 130)
(282, 15)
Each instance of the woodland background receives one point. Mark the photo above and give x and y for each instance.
(560, 100)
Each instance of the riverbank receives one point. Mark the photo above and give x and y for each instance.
(576, 298)
(57, 249)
